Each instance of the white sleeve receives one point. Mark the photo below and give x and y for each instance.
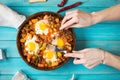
(10, 18)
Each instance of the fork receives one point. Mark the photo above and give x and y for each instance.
(55, 48)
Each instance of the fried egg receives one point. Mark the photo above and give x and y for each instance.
(58, 42)
(49, 56)
(31, 46)
(42, 27)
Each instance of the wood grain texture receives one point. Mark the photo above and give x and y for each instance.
(111, 46)
(105, 35)
(96, 3)
(67, 77)
(95, 32)
(29, 10)
(69, 68)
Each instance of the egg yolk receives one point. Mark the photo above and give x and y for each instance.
(31, 46)
(43, 26)
(60, 42)
(49, 54)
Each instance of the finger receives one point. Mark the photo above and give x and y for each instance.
(74, 51)
(71, 11)
(79, 61)
(68, 23)
(74, 25)
(77, 51)
(66, 18)
(81, 51)
(74, 55)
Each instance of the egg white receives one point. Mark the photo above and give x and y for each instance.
(38, 30)
(36, 45)
(54, 58)
(51, 60)
(56, 41)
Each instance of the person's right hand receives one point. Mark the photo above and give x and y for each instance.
(76, 18)
(89, 57)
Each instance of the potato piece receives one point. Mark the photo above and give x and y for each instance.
(46, 65)
(55, 63)
(43, 46)
(30, 23)
(23, 35)
(28, 59)
(22, 40)
(34, 20)
(57, 20)
(29, 56)
(40, 65)
(59, 54)
(46, 17)
(59, 60)
(29, 36)
(32, 32)
(25, 53)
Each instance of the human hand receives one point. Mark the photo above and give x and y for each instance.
(76, 18)
(89, 57)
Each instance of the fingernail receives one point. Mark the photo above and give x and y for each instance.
(60, 28)
(65, 55)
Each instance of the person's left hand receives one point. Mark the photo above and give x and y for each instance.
(89, 57)
(76, 18)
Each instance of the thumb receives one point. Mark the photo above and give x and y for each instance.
(74, 55)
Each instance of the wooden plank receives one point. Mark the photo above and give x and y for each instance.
(7, 33)
(111, 46)
(98, 32)
(29, 10)
(11, 65)
(34, 9)
(98, 3)
(10, 48)
(95, 32)
(67, 77)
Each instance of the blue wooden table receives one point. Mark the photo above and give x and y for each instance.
(105, 35)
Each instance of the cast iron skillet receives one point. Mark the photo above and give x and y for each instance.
(19, 45)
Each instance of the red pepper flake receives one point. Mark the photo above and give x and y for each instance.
(69, 7)
(63, 2)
